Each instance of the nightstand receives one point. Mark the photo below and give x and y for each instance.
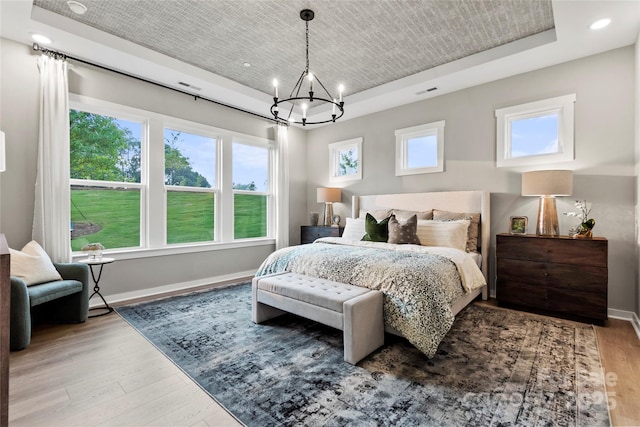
(557, 276)
(309, 233)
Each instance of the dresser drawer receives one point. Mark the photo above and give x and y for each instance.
(577, 304)
(590, 252)
(522, 295)
(566, 276)
(555, 301)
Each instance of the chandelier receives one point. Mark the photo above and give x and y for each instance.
(337, 106)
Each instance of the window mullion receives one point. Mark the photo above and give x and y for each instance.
(156, 197)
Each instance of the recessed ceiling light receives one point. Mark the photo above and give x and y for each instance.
(41, 39)
(77, 7)
(600, 24)
(246, 64)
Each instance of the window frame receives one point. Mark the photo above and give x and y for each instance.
(130, 114)
(205, 131)
(563, 106)
(270, 146)
(153, 191)
(402, 152)
(334, 160)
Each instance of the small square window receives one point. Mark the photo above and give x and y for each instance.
(536, 133)
(419, 149)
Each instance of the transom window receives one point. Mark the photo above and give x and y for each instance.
(536, 133)
(419, 149)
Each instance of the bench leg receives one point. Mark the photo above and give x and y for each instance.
(261, 312)
(363, 326)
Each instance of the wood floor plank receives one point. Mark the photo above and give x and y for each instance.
(103, 372)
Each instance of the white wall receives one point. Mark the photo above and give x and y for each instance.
(19, 120)
(604, 146)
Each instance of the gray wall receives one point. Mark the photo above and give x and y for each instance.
(637, 118)
(604, 166)
(19, 121)
(604, 146)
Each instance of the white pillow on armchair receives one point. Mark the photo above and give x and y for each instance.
(33, 265)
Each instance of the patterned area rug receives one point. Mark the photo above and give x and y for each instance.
(495, 367)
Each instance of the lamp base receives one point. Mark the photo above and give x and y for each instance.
(328, 214)
(547, 217)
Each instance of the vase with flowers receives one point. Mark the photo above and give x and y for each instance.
(584, 230)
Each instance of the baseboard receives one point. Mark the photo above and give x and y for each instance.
(161, 290)
(636, 324)
(629, 316)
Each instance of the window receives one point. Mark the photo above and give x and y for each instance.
(106, 180)
(141, 180)
(250, 190)
(190, 183)
(345, 160)
(419, 149)
(536, 133)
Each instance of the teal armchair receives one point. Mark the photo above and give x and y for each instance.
(62, 301)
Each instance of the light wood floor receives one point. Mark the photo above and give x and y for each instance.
(103, 373)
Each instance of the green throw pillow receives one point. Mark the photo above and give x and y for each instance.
(376, 231)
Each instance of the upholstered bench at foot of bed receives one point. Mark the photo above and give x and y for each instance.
(354, 310)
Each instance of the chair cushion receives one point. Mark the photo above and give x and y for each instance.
(45, 292)
(33, 265)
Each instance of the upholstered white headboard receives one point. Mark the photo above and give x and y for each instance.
(454, 201)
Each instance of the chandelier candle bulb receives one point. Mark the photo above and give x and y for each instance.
(341, 89)
(275, 89)
(333, 108)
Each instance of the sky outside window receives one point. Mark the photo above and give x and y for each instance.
(422, 152)
(250, 165)
(200, 152)
(534, 136)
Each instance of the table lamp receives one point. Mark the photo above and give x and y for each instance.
(328, 196)
(547, 184)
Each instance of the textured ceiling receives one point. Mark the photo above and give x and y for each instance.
(360, 43)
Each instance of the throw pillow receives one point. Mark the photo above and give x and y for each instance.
(474, 226)
(33, 265)
(402, 215)
(452, 234)
(376, 231)
(403, 232)
(354, 229)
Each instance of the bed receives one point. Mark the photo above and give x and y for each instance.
(424, 287)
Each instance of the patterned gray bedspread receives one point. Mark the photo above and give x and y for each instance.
(418, 288)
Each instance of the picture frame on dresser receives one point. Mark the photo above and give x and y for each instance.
(518, 225)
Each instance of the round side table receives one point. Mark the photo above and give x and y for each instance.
(95, 262)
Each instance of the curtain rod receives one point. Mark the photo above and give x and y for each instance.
(61, 55)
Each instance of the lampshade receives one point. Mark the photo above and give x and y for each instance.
(547, 183)
(329, 195)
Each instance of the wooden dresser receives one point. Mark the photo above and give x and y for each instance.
(309, 233)
(557, 276)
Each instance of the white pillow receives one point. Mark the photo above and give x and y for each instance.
(451, 234)
(378, 214)
(33, 265)
(354, 229)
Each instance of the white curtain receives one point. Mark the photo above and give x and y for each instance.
(282, 187)
(51, 218)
